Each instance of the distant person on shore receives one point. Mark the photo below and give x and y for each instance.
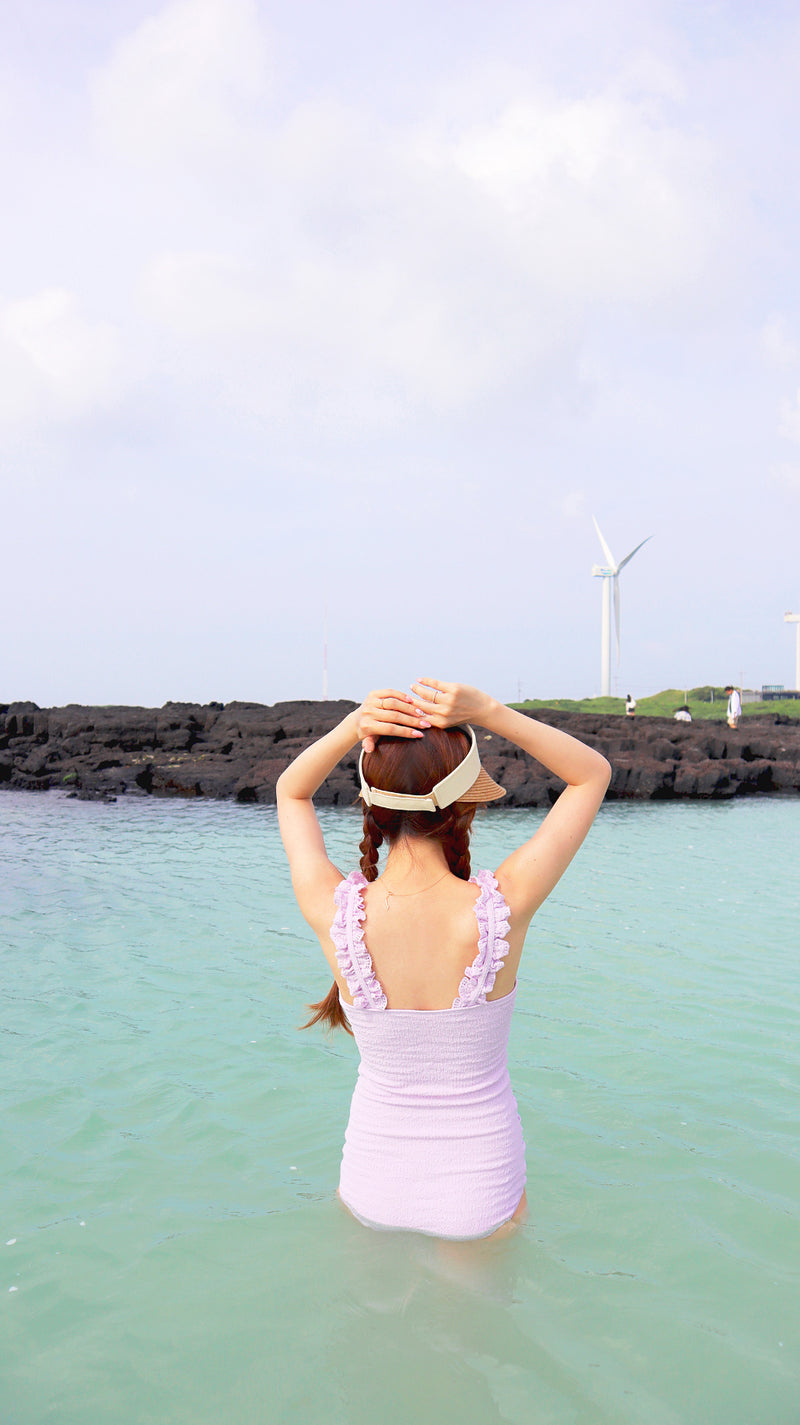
(630, 706)
(734, 706)
(683, 714)
(425, 955)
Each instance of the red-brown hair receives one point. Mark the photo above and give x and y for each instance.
(402, 764)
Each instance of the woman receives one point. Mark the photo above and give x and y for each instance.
(425, 968)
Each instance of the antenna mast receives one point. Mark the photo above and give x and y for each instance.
(325, 656)
(795, 619)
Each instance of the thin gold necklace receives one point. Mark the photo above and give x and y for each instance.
(403, 895)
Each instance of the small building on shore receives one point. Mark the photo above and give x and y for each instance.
(773, 693)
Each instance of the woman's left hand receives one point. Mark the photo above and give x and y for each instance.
(387, 713)
(447, 704)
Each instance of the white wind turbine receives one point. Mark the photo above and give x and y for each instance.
(608, 572)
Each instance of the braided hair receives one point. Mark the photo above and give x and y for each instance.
(451, 827)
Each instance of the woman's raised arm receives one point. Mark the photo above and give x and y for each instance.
(529, 874)
(383, 713)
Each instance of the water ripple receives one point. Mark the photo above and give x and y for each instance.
(171, 1142)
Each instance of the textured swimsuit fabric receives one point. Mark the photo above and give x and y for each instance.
(434, 1141)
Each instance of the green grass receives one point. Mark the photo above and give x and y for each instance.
(666, 703)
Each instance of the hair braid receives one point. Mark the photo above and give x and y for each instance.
(373, 838)
(455, 843)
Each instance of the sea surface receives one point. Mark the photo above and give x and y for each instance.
(171, 1250)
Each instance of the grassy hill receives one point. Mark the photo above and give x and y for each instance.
(664, 704)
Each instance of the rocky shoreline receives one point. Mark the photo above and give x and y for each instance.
(238, 750)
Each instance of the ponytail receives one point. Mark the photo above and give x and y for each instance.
(328, 1011)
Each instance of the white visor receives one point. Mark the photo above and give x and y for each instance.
(452, 788)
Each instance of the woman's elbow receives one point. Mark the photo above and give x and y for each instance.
(287, 789)
(604, 770)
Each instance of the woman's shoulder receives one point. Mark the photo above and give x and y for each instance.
(322, 897)
(489, 885)
(355, 880)
(484, 877)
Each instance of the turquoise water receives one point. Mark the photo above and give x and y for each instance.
(170, 1247)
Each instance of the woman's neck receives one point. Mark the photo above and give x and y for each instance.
(413, 862)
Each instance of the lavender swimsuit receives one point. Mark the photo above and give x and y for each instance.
(434, 1142)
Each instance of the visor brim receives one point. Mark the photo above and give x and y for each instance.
(483, 789)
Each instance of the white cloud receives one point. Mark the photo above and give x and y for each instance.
(183, 83)
(354, 341)
(790, 419)
(330, 259)
(392, 267)
(787, 475)
(594, 199)
(778, 346)
(202, 295)
(54, 363)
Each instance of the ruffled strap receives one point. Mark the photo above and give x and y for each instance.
(352, 955)
(491, 913)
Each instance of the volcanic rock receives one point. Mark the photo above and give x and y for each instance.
(238, 751)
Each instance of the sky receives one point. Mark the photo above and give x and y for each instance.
(336, 322)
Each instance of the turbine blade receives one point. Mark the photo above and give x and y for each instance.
(628, 557)
(609, 556)
(616, 610)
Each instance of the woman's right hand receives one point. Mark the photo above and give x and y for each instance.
(446, 704)
(387, 713)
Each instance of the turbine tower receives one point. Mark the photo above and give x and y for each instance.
(610, 572)
(795, 618)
